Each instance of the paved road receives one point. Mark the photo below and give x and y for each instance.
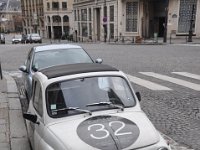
(174, 111)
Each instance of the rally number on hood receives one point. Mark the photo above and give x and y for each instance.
(108, 132)
(117, 132)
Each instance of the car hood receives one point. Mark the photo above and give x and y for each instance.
(16, 39)
(126, 130)
(35, 37)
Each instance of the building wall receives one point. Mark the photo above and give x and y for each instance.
(35, 17)
(119, 21)
(49, 12)
(173, 19)
(96, 28)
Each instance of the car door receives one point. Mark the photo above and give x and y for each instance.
(37, 109)
(28, 75)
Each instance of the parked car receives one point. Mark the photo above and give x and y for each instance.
(2, 38)
(90, 107)
(17, 39)
(28, 38)
(35, 38)
(45, 56)
(24, 39)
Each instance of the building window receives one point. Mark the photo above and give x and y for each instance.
(56, 19)
(84, 29)
(48, 6)
(112, 31)
(90, 14)
(185, 15)
(105, 11)
(74, 15)
(79, 30)
(55, 5)
(78, 16)
(111, 13)
(90, 30)
(65, 18)
(131, 16)
(64, 5)
(83, 14)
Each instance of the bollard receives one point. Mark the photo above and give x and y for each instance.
(1, 72)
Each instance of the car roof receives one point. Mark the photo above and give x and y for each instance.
(70, 69)
(54, 46)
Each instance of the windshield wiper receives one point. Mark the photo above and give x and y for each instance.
(106, 103)
(73, 108)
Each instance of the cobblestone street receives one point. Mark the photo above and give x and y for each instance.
(174, 110)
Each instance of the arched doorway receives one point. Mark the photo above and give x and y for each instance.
(65, 26)
(57, 28)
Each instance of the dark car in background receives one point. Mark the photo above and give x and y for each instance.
(24, 39)
(2, 38)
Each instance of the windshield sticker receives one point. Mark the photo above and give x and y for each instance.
(108, 132)
(53, 106)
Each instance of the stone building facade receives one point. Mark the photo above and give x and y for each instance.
(33, 16)
(114, 20)
(111, 20)
(10, 16)
(49, 18)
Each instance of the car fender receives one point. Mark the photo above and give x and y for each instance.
(44, 146)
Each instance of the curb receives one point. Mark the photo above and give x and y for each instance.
(18, 132)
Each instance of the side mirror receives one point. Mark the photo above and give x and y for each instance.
(23, 69)
(35, 68)
(138, 95)
(99, 60)
(30, 117)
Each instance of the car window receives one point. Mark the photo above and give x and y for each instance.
(81, 92)
(28, 61)
(35, 35)
(44, 59)
(18, 36)
(37, 99)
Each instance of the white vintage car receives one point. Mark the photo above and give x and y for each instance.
(88, 107)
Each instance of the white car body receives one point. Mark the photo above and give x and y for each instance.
(35, 37)
(130, 127)
(17, 39)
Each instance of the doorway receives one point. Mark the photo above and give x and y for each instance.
(156, 16)
(57, 32)
(98, 23)
(161, 27)
(49, 31)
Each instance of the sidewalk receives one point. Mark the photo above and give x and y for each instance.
(179, 41)
(13, 134)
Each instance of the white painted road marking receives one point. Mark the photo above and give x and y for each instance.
(148, 84)
(173, 80)
(187, 74)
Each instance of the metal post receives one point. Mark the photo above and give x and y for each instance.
(166, 20)
(1, 74)
(191, 24)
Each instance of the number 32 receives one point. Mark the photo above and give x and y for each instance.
(106, 132)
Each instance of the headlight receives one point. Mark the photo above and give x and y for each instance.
(163, 148)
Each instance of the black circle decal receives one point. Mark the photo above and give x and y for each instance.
(108, 132)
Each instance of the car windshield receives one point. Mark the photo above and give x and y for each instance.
(92, 94)
(44, 59)
(35, 35)
(18, 36)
